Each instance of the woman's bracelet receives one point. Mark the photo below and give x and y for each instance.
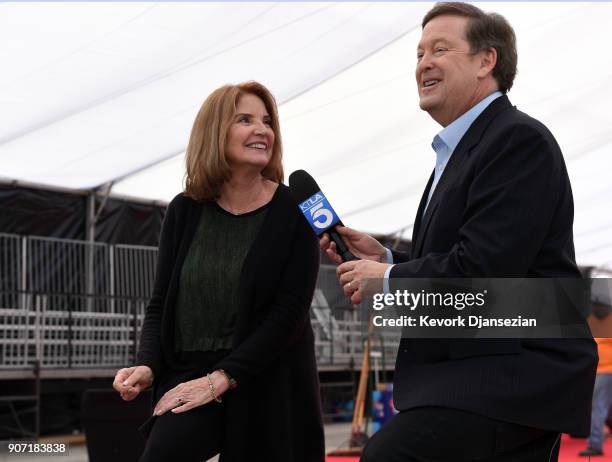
(212, 389)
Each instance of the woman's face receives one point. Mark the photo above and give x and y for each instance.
(250, 138)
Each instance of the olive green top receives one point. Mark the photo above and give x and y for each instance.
(207, 301)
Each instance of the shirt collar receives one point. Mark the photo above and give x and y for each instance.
(452, 134)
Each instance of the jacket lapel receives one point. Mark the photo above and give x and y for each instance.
(419, 215)
(469, 140)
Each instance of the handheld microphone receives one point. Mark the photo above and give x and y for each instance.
(317, 210)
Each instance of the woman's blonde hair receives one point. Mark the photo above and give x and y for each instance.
(206, 159)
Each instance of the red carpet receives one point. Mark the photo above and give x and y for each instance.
(570, 447)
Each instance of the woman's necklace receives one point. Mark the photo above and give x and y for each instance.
(248, 207)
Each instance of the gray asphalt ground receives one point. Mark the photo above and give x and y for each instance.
(336, 435)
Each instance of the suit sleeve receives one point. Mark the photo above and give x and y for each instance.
(150, 351)
(508, 212)
(286, 317)
(400, 257)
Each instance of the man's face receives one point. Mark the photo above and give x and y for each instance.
(447, 73)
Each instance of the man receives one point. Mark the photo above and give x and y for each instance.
(498, 204)
(602, 399)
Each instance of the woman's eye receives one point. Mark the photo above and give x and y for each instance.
(268, 122)
(244, 119)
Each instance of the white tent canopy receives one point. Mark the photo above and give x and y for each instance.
(92, 93)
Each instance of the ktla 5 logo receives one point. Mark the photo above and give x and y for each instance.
(318, 211)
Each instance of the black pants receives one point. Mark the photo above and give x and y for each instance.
(192, 436)
(433, 434)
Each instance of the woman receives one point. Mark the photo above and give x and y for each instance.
(227, 342)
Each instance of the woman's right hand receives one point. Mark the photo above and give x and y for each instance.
(130, 381)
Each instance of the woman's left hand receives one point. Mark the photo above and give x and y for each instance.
(188, 395)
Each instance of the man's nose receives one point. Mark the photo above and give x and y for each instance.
(424, 63)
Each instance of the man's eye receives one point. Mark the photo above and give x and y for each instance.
(440, 50)
(419, 56)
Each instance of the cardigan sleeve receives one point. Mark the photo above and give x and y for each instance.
(287, 315)
(150, 349)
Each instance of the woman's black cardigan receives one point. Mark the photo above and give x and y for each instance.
(275, 413)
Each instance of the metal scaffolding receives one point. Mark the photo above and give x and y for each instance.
(73, 305)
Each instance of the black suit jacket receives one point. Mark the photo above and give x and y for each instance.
(276, 409)
(502, 208)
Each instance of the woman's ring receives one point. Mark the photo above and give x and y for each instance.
(179, 399)
(350, 284)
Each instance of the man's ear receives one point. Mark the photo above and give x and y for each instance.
(488, 60)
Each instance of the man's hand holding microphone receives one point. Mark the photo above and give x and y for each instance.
(360, 257)
(353, 274)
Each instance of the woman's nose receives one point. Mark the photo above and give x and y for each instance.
(261, 128)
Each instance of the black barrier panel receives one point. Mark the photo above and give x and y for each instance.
(485, 307)
(30, 211)
(124, 222)
(111, 425)
(49, 213)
